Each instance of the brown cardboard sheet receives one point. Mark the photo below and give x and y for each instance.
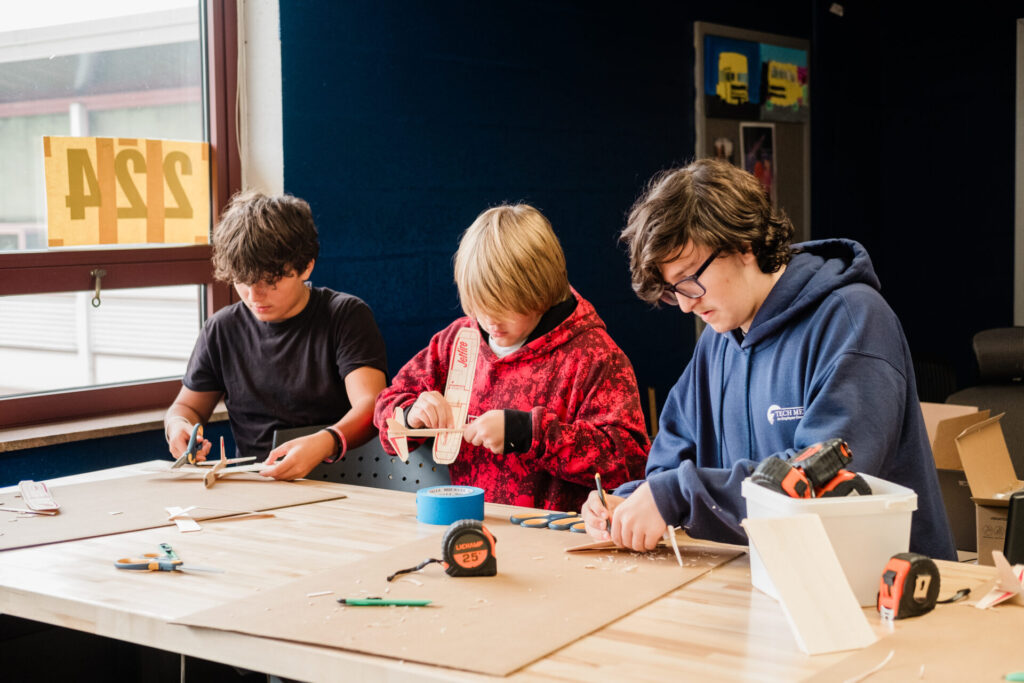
(541, 600)
(115, 506)
(942, 646)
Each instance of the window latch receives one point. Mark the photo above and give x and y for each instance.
(99, 274)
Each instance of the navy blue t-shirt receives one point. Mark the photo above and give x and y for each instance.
(279, 375)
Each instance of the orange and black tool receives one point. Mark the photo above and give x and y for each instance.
(846, 483)
(467, 549)
(781, 477)
(822, 461)
(909, 586)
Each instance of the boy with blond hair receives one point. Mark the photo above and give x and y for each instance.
(287, 355)
(556, 399)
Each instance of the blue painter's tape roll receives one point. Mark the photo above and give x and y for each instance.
(447, 504)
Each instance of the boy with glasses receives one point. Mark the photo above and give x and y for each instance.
(286, 355)
(802, 348)
(556, 399)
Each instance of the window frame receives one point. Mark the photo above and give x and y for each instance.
(68, 270)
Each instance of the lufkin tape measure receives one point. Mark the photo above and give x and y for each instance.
(909, 586)
(467, 549)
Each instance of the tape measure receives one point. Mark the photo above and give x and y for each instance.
(909, 586)
(467, 549)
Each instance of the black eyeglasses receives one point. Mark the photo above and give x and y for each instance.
(690, 287)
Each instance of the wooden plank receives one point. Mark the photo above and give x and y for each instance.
(815, 595)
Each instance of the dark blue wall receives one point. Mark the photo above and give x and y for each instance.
(404, 120)
(913, 155)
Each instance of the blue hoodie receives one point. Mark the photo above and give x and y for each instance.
(825, 357)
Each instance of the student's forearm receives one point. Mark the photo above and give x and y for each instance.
(357, 423)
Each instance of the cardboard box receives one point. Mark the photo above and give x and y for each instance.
(992, 478)
(944, 423)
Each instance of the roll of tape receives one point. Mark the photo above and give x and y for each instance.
(447, 504)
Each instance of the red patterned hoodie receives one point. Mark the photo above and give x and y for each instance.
(584, 406)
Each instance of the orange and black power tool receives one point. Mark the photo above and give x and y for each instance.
(909, 586)
(816, 471)
(779, 476)
(822, 461)
(467, 549)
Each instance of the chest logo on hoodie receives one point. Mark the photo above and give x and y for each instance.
(783, 414)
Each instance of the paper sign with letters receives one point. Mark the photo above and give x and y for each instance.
(126, 191)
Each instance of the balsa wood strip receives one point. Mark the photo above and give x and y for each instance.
(815, 595)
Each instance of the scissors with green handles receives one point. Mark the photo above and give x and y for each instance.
(559, 521)
(194, 442)
(168, 561)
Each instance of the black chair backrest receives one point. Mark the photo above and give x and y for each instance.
(370, 465)
(1000, 354)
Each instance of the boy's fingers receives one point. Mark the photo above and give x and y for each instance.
(274, 455)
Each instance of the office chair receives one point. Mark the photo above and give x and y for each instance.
(1000, 356)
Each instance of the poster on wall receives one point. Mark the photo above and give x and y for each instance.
(755, 81)
(757, 152)
(732, 78)
(784, 82)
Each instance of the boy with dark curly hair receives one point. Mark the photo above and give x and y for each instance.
(802, 348)
(287, 355)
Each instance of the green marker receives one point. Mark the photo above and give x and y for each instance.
(381, 602)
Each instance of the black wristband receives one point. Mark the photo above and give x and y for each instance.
(337, 445)
(518, 431)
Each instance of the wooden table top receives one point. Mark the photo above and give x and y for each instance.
(715, 628)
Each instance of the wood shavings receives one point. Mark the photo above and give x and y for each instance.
(538, 557)
(409, 579)
(631, 568)
(318, 594)
(590, 566)
(116, 512)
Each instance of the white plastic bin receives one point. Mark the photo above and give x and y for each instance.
(865, 531)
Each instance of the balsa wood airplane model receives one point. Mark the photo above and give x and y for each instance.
(212, 470)
(457, 391)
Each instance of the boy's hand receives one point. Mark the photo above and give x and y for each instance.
(636, 523)
(488, 431)
(296, 458)
(431, 410)
(180, 431)
(599, 518)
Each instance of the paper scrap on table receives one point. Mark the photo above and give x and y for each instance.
(181, 518)
(1009, 583)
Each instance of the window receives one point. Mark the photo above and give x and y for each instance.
(162, 69)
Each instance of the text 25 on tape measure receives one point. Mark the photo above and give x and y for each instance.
(126, 191)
